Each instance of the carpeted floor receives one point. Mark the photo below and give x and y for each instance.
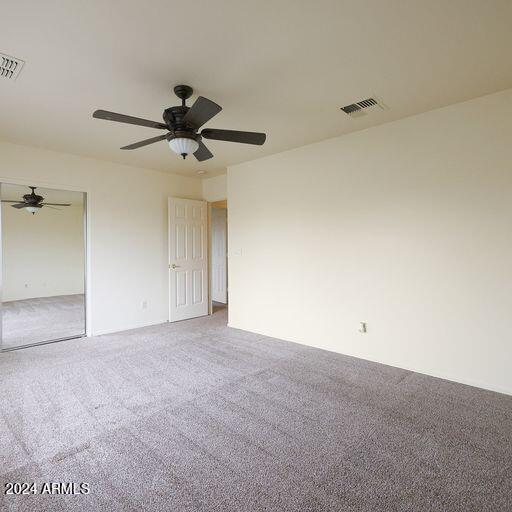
(42, 319)
(196, 416)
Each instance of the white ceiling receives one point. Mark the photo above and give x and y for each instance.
(279, 66)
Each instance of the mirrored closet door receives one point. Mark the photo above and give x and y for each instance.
(43, 265)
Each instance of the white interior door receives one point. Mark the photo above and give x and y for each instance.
(188, 259)
(219, 255)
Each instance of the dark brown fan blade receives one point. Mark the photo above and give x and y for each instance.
(55, 204)
(234, 136)
(146, 142)
(24, 205)
(8, 201)
(203, 153)
(201, 112)
(121, 118)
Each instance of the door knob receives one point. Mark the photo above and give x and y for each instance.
(174, 266)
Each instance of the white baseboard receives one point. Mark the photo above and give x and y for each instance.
(437, 375)
(129, 327)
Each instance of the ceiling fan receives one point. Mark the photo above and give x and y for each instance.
(182, 124)
(33, 202)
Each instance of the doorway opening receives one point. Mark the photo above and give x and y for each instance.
(219, 256)
(43, 253)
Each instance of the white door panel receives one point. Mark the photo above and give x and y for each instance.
(188, 261)
(219, 255)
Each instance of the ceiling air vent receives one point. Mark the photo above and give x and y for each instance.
(10, 67)
(362, 107)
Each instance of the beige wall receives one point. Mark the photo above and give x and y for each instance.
(127, 228)
(215, 189)
(43, 254)
(406, 226)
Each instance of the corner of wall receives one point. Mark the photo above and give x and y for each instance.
(215, 189)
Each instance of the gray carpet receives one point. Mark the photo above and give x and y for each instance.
(196, 416)
(42, 319)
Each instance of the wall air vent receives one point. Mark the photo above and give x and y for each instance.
(10, 67)
(362, 107)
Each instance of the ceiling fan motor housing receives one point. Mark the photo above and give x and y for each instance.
(33, 198)
(173, 117)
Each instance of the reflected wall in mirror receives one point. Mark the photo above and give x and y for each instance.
(43, 265)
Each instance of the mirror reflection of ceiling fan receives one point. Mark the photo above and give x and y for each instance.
(33, 202)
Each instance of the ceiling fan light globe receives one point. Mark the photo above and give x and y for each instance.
(183, 146)
(31, 209)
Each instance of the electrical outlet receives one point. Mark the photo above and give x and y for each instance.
(363, 328)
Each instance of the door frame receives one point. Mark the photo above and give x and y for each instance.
(87, 259)
(223, 203)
